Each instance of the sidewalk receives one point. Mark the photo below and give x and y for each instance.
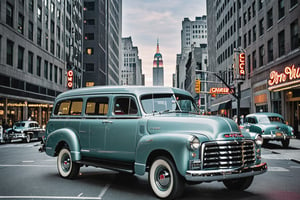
(292, 153)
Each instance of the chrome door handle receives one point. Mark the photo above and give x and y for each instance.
(106, 122)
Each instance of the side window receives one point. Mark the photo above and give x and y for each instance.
(97, 106)
(69, 107)
(125, 106)
(31, 125)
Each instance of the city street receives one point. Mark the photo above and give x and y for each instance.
(27, 174)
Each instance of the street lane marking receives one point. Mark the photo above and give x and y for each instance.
(277, 169)
(46, 197)
(27, 165)
(104, 191)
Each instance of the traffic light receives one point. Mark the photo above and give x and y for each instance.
(197, 86)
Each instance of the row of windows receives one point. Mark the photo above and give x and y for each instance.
(51, 72)
(96, 106)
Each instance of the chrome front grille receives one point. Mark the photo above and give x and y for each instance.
(227, 154)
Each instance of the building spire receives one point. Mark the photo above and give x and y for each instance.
(157, 47)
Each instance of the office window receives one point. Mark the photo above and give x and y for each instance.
(249, 13)
(89, 36)
(46, 41)
(38, 65)
(89, 21)
(30, 62)
(39, 14)
(21, 23)
(46, 69)
(245, 40)
(60, 76)
(261, 27)
(52, 26)
(58, 33)
(89, 6)
(295, 37)
(261, 55)
(52, 46)
(9, 52)
(249, 64)
(270, 50)
(253, 9)
(260, 4)
(254, 33)
(281, 46)
(254, 59)
(51, 72)
(89, 67)
(30, 6)
(249, 37)
(293, 3)
(270, 18)
(58, 50)
(9, 14)
(20, 57)
(55, 74)
(39, 36)
(30, 30)
(280, 9)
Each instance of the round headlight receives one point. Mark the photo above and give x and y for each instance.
(194, 143)
(258, 139)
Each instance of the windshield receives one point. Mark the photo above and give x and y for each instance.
(153, 103)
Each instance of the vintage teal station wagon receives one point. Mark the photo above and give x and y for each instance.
(150, 129)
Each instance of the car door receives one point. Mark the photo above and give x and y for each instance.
(121, 135)
(93, 127)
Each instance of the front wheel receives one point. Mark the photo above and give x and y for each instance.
(66, 167)
(239, 183)
(165, 181)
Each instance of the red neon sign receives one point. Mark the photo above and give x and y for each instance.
(70, 79)
(242, 64)
(290, 73)
(219, 91)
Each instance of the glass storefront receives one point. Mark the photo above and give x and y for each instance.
(12, 110)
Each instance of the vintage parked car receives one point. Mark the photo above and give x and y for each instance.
(25, 130)
(150, 129)
(271, 126)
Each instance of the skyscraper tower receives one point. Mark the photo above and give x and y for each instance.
(158, 69)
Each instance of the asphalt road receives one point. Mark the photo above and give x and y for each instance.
(27, 174)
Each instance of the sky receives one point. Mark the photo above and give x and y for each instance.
(148, 20)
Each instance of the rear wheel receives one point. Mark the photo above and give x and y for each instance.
(165, 181)
(239, 183)
(66, 167)
(285, 143)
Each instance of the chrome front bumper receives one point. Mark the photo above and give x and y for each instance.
(223, 174)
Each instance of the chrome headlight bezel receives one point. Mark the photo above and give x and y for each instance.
(259, 140)
(194, 143)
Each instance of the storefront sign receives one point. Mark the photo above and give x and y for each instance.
(290, 73)
(219, 91)
(70, 79)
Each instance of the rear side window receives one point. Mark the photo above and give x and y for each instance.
(97, 106)
(125, 106)
(69, 107)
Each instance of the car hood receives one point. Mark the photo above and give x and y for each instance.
(212, 127)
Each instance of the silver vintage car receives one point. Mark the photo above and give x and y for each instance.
(154, 130)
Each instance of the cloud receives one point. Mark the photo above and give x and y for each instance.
(147, 20)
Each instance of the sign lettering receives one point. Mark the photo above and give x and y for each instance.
(290, 73)
(70, 79)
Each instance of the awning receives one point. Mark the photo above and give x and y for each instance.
(244, 103)
(221, 105)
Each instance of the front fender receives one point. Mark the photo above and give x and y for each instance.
(67, 136)
(174, 144)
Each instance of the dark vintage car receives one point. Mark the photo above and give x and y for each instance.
(271, 126)
(24, 130)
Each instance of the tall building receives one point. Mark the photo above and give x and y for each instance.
(193, 34)
(38, 41)
(131, 70)
(102, 42)
(158, 69)
(268, 33)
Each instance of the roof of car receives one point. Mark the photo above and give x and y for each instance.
(138, 90)
(265, 114)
